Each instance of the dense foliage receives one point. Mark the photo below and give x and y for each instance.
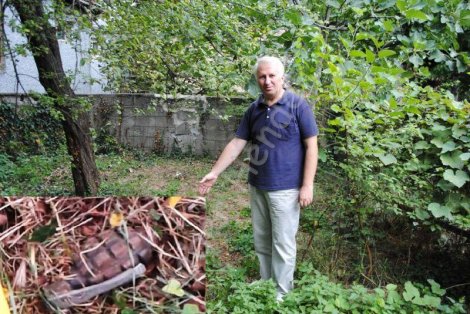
(28, 129)
(188, 47)
(403, 144)
(315, 293)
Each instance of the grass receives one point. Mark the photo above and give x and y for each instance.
(35, 175)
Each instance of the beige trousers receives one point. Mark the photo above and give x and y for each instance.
(275, 217)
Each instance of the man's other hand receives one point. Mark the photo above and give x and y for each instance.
(305, 196)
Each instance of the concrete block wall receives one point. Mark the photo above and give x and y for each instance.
(184, 124)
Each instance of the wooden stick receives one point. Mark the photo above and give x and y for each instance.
(80, 296)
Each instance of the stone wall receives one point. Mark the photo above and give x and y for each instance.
(184, 124)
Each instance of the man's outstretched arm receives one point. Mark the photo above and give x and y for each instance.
(230, 153)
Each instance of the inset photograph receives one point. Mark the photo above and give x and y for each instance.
(102, 254)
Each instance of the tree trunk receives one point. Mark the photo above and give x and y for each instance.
(45, 49)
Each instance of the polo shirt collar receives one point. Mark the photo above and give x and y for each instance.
(283, 101)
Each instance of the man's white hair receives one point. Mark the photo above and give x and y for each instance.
(271, 60)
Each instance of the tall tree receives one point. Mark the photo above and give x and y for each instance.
(44, 47)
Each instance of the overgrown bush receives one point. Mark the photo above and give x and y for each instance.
(28, 129)
(315, 293)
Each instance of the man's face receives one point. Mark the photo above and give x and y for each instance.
(270, 80)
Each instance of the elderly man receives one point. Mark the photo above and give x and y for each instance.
(283, 160)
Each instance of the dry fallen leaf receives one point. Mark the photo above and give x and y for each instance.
(173, 200)
(90, 230)
(20, 276)
(116, 218)
(4, 307)
(3, 219)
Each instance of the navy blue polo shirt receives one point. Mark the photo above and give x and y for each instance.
(276, 134)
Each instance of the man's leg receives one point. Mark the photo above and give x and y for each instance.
(261, 230)
(284, 213)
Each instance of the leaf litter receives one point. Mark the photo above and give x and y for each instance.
(52, 247)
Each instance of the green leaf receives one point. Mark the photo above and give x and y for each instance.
(362, 35)
(458, 178)
(387, 159)
(465, 18)
(416, 60)
(445, 185)
(401, 5)
(191, 309)
(424, 71)
(431, 301)
(357, 53)
(398, 94)
(422, 145)
(336, 108)
(370, 56)
(335, 121)
(458, 132)
(439, 211)
(416, 14)
(42, 233)
(437, 56)
(333, 68)
(342, 303)
(461, 68)
(465, 156)
(174, 287)
(333, 3)
(388, 25)
(413, 109)
(294, 16)
(377, 43)
(438, 127)
(421, 214)
(346, 43)
(393, 297)
(380, 302)
(448, 147)
(252, 87)
(437, 142)
(436, 288)
(411, 292)
(386, 53)
(322, 156)
(452, 160)
(330, 308)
